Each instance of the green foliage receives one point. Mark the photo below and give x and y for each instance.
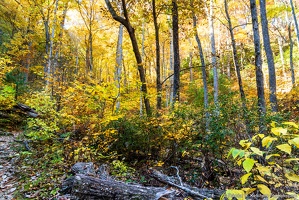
(17, 78)
(46, 125)
(270, 160)
(7, 97)
(121, 170)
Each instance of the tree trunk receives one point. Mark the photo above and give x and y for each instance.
(295, 19)
(118, 67)
(158, 66)
(203, 68)
(171, 56)
(176, 51)
(291, 55)
(280, 45)
(237, 67)
(125, 21)
(269, 54)
(258, 66)
(210, 14)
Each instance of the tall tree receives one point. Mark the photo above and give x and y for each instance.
(176, 51)
(237, 65)
(269, 54)
(203, 65)
(295, 19)
(118, 67)
(258, 65)
(126, 22)
(291, 55)
(158, 62)
(210, 14)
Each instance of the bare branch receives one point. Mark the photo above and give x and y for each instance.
(118, 18)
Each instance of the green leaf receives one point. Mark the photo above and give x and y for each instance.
(264, 190)
(285, 148)
(237, 152)
(248, 164)
(292, 177)
(245, 177)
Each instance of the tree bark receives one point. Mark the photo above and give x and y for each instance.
(203, 68)
(158, 64)
(295, 19)
(269, 54)
(291, 55)
(125, 21)
(118, 67)
(210, 13)
(237, 68)
(258, 66)
(176, 52)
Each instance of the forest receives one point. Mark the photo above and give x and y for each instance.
(152, 99)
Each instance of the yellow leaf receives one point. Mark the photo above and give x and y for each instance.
(272, 155)
(285, 148)
(273, 124)
(245, 177)
(248, 190)
(264, 170)
(256, 151)
(278, 131)
(238, 194)
(264, 190)
(258, 177)
(294, 141)
(292, 177)
(291, 124)
(267, 141)
(245, 144)
(248, 164)
(291, 159)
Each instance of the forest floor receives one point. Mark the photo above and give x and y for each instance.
(8, 157)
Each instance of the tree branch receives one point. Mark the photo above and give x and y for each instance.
(118, 18)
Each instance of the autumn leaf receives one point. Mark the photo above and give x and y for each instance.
(292, 177)
(279, 131)
(257, 151)
(291, 124)
(248, 164)
(267, 141)
(285, 148)
(294, 141)
(264, 190)
(245, 177)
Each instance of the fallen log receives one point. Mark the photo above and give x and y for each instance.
(192, 191)
(26, 110)
(89, 186)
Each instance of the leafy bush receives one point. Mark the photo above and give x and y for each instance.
(270, 162)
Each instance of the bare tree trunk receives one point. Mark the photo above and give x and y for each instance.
(176, 51)
(125, 21)
(118, 67)
(237, 67)
(158, 66)
(171, 67)
(210, 15)
(291, 55)
(203, 68)
(280, 45)
(269, 54)
(258, 66)
(295, 19)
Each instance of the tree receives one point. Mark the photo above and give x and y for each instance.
(258, 66)
(291, 55)
(209, 12)
(295, 19)
(269, 54)
(237, 65)
(203, 65)
(126, 22)
(176, 51)
(158, 63)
